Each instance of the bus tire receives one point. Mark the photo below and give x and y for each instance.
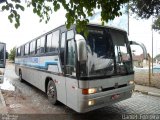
(20, 76)
(52, 92)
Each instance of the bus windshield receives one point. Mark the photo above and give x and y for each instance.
(2, 52)
(108, 53)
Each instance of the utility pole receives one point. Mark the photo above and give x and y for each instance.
(128, 17)
(152, 46)
(149, 72)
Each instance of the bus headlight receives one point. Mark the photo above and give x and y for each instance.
(131, 82)
(89, 91)
(91, 102)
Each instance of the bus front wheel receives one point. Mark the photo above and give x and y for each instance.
(52, 92)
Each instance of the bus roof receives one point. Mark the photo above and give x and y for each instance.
(106, 26)
(72, 26)
(3, 42)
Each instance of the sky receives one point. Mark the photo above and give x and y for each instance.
(139, 30)
(30, 27)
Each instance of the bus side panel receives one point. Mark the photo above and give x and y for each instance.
(28, 75)
(72, 92)
(37, 78)
(41, 63)
(60, 83)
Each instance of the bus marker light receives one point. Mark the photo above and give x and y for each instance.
(131, 82)
(89, 91)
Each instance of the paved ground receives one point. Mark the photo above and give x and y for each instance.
(27, 102)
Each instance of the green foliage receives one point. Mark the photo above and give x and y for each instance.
(146, 9)
(13, 16)
(77, 11)
(157, 57)
(12, 54)
(156, 25)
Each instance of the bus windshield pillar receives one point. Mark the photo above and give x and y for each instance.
(142, 46)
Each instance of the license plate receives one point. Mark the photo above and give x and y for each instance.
(114, 97)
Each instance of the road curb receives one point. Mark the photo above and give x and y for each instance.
(2, 99)
(148, 93)
(4, 107)
(154, 94)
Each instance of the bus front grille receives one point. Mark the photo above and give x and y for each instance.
(114, 87)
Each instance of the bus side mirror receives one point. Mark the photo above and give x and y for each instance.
(142, 46)
(81, 48)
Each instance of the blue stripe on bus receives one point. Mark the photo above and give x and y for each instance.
(45, 66)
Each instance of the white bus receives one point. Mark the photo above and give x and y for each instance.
(84, 73)
(2, 60)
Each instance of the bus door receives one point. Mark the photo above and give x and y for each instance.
(70, 70)
(2, 60)
(61, 87)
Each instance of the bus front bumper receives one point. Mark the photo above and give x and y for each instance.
(102, 99)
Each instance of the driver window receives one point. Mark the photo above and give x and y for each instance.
(70, 54)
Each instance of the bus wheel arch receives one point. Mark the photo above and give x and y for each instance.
(46, 83)
(51, 90)
(20, 75)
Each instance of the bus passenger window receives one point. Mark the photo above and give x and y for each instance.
(70, 34)
(49, 42)
(26, 47)
(62, 47)
(18, 52)
(22, 51)
(32, 47)
(41, 45)
(53, 42)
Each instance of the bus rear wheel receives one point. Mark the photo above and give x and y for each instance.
(52, 92)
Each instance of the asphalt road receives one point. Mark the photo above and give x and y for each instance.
(25, 102)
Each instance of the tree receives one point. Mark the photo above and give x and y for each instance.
(157, 57)
(12, 54)
(77, 11)
(156, 25)
(146, 9)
